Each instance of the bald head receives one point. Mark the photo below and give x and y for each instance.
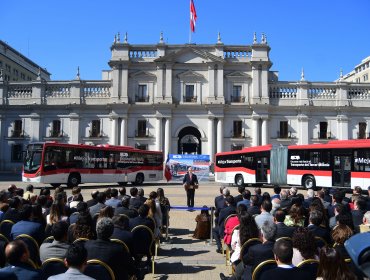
(16, 251)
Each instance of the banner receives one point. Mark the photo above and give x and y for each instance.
(179, 164)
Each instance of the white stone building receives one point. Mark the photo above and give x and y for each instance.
(181, 99)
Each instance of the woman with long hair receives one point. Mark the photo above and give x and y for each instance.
(155, 212)
(165, 208)
(339, 235)
(83, 228)
(332, 266)
(304, 246)
(203, 227)
(295, 217)
(106, 212)
(247, 229)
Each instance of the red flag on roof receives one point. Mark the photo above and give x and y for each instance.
(193, 16)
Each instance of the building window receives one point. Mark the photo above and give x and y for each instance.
(23, 76)
(323, 133)
(56, 129)
(237, 91)
(236, 147)
(16, 155)
(7, 68)
(141, 146)
(142, 95)
(141, 128)
(17, 129)
(362, 130)
(283, 133)
(189, 94)
(237, 129)
(366, 77)
(95, 128)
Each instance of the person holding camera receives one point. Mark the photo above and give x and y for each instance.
(190, 183)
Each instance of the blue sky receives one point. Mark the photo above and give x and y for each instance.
(321, 36)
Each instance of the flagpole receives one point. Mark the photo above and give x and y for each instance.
(190, 25)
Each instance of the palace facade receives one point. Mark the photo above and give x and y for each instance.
(189, 98)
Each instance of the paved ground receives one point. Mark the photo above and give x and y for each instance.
(184, 257)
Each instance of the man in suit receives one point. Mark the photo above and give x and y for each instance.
(25, 226)
(93, 199)
(285, 201)
(246, 199)
(111, 253)
(113, 201)
(315, 220)
(220, 201)
(57, 248)
(190, 183)
(17, 256)
(122, 231)
(239, 197)
(310, 196)
(142, 219)
(265, 215)
(358, 212)
(95, 209)
(254, 208)
(140, 194)
(135, 201)
(75, 260)
(283, 254)
(282, 230)
(124, 208)
(218, 231)
(321, 195)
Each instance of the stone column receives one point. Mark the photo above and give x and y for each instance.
(255, 130)
(168, 91)
(264, 131)
(113, 139)
(123, 136)
(167, 137)
(342, 127)
(211, 83)
(124, 83)
(220, 135)
(35, 128)
(74, 129)
(211, 131)
(220, 84)
(302, 132)
(158, 134)
(159, 83)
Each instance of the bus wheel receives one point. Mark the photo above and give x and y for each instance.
(139, 179)
(309, 182)
(55, 185)
(239, 181)
(73, 180)
(122, 183)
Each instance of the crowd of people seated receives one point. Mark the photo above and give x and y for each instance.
(38, 228)
(291, 232)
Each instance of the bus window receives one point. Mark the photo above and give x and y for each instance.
(361, 160)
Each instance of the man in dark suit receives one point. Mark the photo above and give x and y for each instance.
(26, 226)
(140, 193)
(135, 201)
(358, 212)
(93, 199)
(254, 208)
(282, 230)
(124, 208)
(220, 201)
(58, 248)
(113, 254)
(95, 209)
(12, 213)
(142, 219)
(122, 231)
(285, 201)
(218, 231)
(17, 256)
(283, 254)
(239, 197)
(190, 183)
(315, 220)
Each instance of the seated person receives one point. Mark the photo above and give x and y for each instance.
(203, 227)
(59, 246)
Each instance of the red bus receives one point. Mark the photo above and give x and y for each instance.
(56, 163)
(339, 163)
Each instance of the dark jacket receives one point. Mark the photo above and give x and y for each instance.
(125, 236)
(126, 211)
(112, 254)
(282, 230)
(286, 273)
(23, 271)
(135, 202)
(141, 221)
(193, 181)
(259, 253)
(224, 213)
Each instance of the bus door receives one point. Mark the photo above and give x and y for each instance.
(261, 169)
(342, 170)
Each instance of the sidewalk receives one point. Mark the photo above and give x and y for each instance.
(186, 257)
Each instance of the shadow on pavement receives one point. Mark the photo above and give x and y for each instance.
(178, 268)
(180, 252)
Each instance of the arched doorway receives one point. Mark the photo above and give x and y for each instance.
(189, 141)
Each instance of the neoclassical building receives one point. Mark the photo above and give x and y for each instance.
(186, 98)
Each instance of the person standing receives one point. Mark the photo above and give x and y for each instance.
(190, 183)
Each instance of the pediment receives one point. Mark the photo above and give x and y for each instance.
(237, 75)
(190, 55)
(190, 75)
(143, 75)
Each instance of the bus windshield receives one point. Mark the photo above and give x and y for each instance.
(32, 161)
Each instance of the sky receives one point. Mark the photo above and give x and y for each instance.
(320, 36)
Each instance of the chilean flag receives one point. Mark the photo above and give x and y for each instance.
(193, 16)
(167, 170)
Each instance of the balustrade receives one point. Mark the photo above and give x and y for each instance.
(58, 91)
(358, 93)
(283, 92)
(20, 91)
(142, 53)
(95, 90)
(322, 92)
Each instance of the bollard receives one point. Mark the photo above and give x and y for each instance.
(211, 233)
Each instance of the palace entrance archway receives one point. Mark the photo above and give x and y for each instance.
(189, 141)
